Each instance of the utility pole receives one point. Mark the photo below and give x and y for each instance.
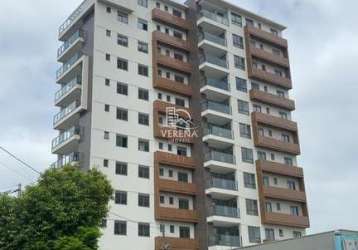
(19, 189)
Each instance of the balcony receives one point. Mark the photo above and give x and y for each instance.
(68, 92)
(224, 240)
(279, 169)
(212, 38)
(266, 36)
(223, 184)
(225, 211)
(269, 77)
(178, 187)
(68, 67)
(277, 145)
(285, 220)
(272, 121)
(166, 17)
(275, 100)
(174, 160)
(172, 86)
(210, 14)
(220, 157)
(66, 142)
(215, 88)
(176, 243)
(71, 45)
(66, 116)
(72, 159)
(284, 194)
(171, 40)
(269, 57)
(218, 131)
(215, 106)
(161, 107)
(176, 214)
(218, 137)
(172, 63)
(213, 61)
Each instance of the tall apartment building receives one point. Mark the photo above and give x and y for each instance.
(225, 175)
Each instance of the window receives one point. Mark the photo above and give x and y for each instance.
(178, 34)
(170, 173)
(106, 108)
(183, 203)
(122, 40)
(143, 94)
(122, 114)
(120, 197)
(249, 22)
(276, 51)
(241, 84)
(162, 200)
(236, 19)
(247, 155)
(161, 172)
(143, 171)
(142, 70)
(108, 9)
(184, 232)
(107, 82)
(183, 177)
(122, 64)
(122, 88)
(103, 223)
(157, 4)
(144, 229)
(179, 102)
(273, 31)
(280, 232)
(238, 41)
(251, 207)
(266, 181)
(268, 207)
(170, 147)
(278, 206)
(143, 200)
(294, 210)
(275, 180)
(171, 200)
(108, 33)
(143, 119)
(245, 130)
(105, 163)
(254, 234)
(297, 234)
(142, 24)
(122, 141)
(288, 161)
(291, 184)
(257, 108)
(239, 62)
(177, 13)
(179, 78)
(143, 3)
(249, 180)
(243, 107)
(162, 228)
(143, 47)
(272, 156)
(261, 155)
(285, 138)
(161, 145)
(172, 229)
(269, 234)
(121, 168)
(108, 57)
(143, 145)
(255, 85)
(283, 115)
(122, 17)
(280, 93)
(106, 135)
(120, 227)
(181, 151)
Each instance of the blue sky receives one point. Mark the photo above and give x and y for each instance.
(323, 43)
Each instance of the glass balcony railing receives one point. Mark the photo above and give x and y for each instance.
(78, 12)
(218, 131)
(225, 240)
(220, 84)
(213, 60)
(67, 88)
(68, 159)
(223, 108)
(65, 136)
(62, 70)
(65, 112)
(225, 211)
(212, 38)
(220, 156)
(69, 42)
(223, 184)
(213, 16)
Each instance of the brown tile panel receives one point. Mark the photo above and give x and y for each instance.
(176, 187)
(279, 169)
(269, 57)
(170, 40)
(284, 194)
(269, 77)
(175, 214)
(274, 144)
(176, 243)
(174, 160)
(261, 96)
(272, 121)
(173, 63)
(286, 220)
(166, 17)
(161, 106)
(266, 36)
(172, 86)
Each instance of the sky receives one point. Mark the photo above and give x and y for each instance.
(323, 49)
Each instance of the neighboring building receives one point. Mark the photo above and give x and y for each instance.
(233, 180)
(334, 240)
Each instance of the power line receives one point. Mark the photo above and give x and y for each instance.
(20, 174)
(19, 160)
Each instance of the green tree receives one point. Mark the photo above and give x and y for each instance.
(63, 211)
